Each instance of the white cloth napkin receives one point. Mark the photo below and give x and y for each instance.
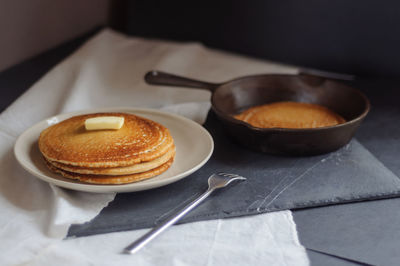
(108, 71)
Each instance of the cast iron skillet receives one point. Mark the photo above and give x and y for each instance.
(230, 98)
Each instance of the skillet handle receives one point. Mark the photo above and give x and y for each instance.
(161, 78)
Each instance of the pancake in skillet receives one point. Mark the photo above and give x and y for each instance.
(139, 140)
(290, 115)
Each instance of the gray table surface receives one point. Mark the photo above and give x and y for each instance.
(372, 229)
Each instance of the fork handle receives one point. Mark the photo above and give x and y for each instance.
(146, 238)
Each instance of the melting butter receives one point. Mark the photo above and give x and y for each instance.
(104, 122)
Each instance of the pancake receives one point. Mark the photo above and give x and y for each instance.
(139, 140)
(115, 180)
(290, 115)
(126, 170)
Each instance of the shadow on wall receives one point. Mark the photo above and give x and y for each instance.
(30, 27)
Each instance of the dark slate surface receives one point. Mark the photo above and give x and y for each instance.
(274, 183)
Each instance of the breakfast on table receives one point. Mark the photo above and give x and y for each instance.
(265, 132)
(121, 148)
(107, 148)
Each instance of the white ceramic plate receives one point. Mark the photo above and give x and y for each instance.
(194, 146)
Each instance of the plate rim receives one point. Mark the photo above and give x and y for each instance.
(130, 187)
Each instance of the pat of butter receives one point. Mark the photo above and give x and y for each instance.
(104, 122)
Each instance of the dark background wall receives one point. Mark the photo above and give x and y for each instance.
(358, 37)
(355, 37)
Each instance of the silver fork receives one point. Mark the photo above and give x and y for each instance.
(215, 181)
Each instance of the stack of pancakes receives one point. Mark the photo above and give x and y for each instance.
(141, 149)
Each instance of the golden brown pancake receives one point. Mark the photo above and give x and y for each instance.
(105, 179)
(139, 140)
(290, 115)
(126, 170)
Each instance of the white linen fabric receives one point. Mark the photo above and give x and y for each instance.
(107, 71)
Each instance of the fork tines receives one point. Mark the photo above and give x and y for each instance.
(230, 175)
